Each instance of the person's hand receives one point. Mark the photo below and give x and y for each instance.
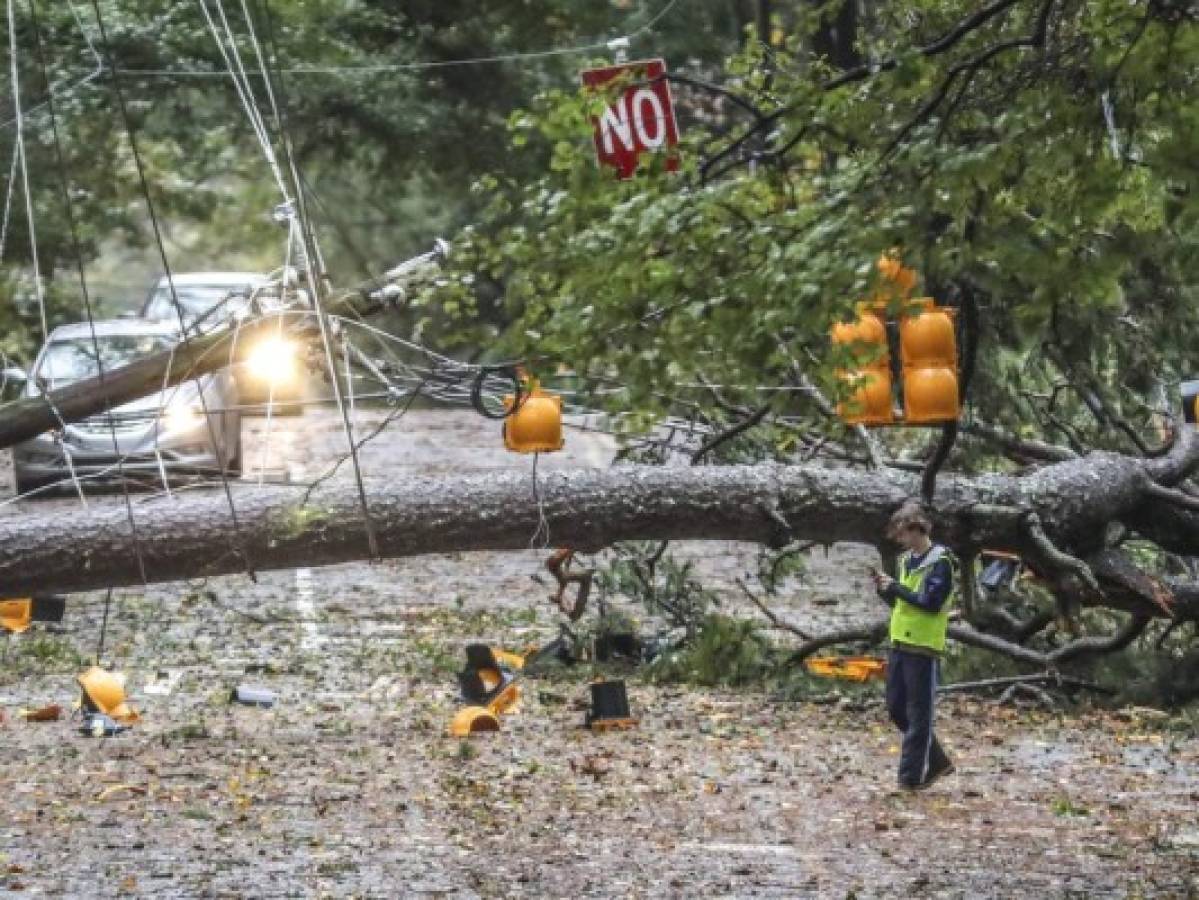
(882, 581)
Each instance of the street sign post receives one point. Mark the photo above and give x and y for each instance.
(639, 120)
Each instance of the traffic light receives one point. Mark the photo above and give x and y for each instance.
(535, 426)
(488, 684)
(928, 352)
(1190, 401)
(928, 349)
(869, 379)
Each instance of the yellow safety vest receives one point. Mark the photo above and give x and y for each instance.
(912, 625)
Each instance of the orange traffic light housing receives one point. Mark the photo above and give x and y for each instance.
(928, 349)
(869, 380)
(535, 426)
(928, 352)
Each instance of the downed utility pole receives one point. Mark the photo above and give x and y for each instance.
(23, 419)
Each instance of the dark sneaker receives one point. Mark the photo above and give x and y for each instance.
(946, 768)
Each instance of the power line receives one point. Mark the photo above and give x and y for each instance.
(53, 91)
(433, 64)
(238, 545)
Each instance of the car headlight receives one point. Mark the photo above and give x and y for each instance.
(183, 416)
(273, 360)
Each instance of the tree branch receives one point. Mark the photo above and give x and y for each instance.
(769, 613)
(871, 634)
(729, 433)
(1024, 447)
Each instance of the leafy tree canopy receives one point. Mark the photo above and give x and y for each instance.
(1033, 160)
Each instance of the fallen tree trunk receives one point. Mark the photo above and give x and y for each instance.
(283, 527)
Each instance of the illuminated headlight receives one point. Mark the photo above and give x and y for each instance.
(273, 361)
(182, 417)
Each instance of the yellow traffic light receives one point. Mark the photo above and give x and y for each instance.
(928, 348)
(869, 381)
(536, 425)
(15, 615)
(104, 691)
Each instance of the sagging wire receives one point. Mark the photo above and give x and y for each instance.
(519, 393)
(19, 151)
(12, 180)
(540, 539)
(51, 90)
(609, 44)
(241, 84)
(310, 264)
(141, 173)
(77, 247)
(394, 416)
(103, 627)
(264, 457)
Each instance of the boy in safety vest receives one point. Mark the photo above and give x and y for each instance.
(920, 601)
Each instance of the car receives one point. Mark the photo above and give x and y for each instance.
(209, 300)
(204, 297)
(165, 433)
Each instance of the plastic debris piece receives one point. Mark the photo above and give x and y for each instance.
(164, 683)
(848, 668)
(100, 725)
(16, 615)
(248, 695)
(104, 692)
(109, 792)
(473, 720)
(51, 713)
(609, 707)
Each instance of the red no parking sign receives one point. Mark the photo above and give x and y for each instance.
(640, 120)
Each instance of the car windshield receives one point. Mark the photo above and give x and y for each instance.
(73, 360)
(196, 299)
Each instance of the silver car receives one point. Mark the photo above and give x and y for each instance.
(166, 432)
(273, 373)
(209, 296)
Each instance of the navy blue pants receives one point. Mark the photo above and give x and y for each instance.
(911, 701)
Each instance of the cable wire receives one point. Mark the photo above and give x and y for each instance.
(434, 64)
(315, 278)
(24, 164)
(145, 186)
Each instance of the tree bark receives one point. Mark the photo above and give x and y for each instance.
(185, 537)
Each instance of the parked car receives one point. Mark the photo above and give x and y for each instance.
(205, 297)
(273, 373)
(166, 432)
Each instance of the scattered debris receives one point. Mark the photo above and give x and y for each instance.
(559, 566)
(618, 645)
(848, 668)
(248, 695)
(593, 764)
(164, 683)
(609, 707)
(473, 720)
(104, 692)
(112, 791)
(51, 713)
(16, 615)
(100, 725)
(488, 683)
